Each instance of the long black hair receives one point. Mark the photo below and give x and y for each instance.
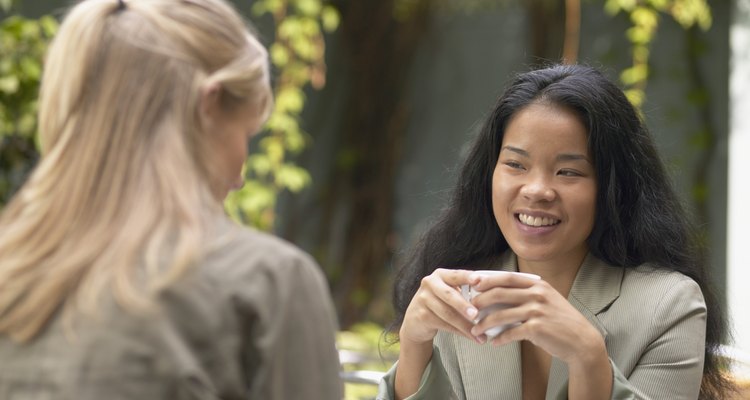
(639, 217)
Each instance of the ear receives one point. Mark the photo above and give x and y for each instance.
(209, 105)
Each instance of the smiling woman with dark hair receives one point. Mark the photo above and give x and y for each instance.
(565, 182)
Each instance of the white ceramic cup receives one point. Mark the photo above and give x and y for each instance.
(469, 293)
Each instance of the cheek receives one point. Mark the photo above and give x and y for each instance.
(500, 199)
(240, 149)
(587, 206)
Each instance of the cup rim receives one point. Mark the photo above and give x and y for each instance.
(500, 272)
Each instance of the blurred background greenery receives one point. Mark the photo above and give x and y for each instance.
(376, 98)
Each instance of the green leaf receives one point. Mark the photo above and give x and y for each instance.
(330, 18)
(634, 74)
(292, 177)
(612, 7)
(645, 17)
(31, 67)
(639, 35)
(290, 28)
(290, 99)
(279, 55)
(304, 48)
(641, 54)
(274, 148)
(256, 197)
(281, 121)
(309, 7)
(9, 84)
(259, 8)
(295, 140)
(635, 96)
(6, 5)
(660, 5)
(49, 25)
(259, 164)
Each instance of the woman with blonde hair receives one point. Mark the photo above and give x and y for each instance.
(120, 276)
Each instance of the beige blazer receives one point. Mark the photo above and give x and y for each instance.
(254, 320)
(653, 322)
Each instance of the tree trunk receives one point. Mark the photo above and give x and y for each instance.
(379, 50)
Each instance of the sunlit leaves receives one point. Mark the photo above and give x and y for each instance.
(22, 46)
(292, 177)
(634, 74)
(23, 43)
(364, 349)
(330, 18)
(644, 17)
(309, 8)
(690, 12)
(297, 56)
(290, 99)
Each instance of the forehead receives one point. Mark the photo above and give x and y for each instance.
(545, 128)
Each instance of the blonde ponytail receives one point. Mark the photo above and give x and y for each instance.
(122, 199)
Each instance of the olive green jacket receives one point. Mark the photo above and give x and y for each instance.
(653, 322)
(253, 321)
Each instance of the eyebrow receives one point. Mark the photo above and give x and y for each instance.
(560, 157)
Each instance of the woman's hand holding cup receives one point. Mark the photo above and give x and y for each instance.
(469, 292)
(439, 305)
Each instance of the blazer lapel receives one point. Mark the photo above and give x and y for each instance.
(492, 380)
(483, 376)
(596, 287)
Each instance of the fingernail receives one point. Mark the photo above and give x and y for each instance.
(471, 312)
(479, 339)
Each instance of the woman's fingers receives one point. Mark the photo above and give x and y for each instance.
(444, 317)
(445, 284)
(438, 305)
(501, 316)
(498, 295)
(508, 280)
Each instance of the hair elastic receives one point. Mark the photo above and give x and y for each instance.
(121, 5)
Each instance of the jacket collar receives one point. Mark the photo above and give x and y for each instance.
(596, 286)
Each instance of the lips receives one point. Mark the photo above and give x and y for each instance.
(530, 220)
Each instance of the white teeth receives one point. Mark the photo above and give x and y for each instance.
(536, 221)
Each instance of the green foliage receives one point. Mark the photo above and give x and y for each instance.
(6, 5)
(366, 340)
(297, 55)
(644, 17)
(23, 43)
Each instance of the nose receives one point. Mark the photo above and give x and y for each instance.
(538, 188)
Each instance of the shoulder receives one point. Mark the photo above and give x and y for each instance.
(657, 298)
(240, 253)
(253, 274)
(658, 284)
(656, 326)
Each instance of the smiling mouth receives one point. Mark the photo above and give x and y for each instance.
(537, 221)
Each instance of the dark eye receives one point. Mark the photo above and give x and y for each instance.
(569, 172)
(513, 164)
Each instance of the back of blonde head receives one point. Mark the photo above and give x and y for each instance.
(122, 199)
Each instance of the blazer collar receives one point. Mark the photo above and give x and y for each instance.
(596, 287)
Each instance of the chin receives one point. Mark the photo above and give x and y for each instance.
(530, 253)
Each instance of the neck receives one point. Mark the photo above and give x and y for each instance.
(560, 272)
